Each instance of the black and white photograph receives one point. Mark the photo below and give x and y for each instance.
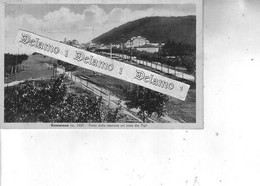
(100, 65)
(129, 93)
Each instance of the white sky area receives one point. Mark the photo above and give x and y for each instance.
(77, 21)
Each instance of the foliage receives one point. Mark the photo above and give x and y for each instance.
(112, 115)
(172, 48)
(12, 60)
(67, 66)
(155, 29)
(189, 62)
(41, 101)
(147, 101)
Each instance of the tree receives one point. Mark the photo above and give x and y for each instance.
(172, 48)
(189, 62)
(67, 66)
(147, 101)
(44, 101)
(112, 115)
(12, 60)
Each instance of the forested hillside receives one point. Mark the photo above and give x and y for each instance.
(155, 29)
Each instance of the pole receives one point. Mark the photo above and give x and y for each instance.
(130, 53)
(53, 68)
(111, 51)
(16, 64)
(131, 49)
(109, 99)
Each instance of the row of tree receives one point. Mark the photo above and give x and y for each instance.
(180, 60)
(172, 48)
(11, 62)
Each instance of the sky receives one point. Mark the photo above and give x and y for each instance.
(79, 21)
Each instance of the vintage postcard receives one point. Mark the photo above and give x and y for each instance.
(102, 64)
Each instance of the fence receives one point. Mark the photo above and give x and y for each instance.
(155, 65)
(99, 91)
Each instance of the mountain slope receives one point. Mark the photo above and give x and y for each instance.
(155, 29)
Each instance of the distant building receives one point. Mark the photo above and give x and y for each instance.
(150, 47)
(136, 42)
(115, 45)
(103, 47)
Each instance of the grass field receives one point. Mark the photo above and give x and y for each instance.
(183, 111)
(35, 67)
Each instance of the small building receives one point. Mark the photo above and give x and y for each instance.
(136, 42)
(115, 45)
(151, 48)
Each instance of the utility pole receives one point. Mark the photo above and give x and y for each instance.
(111, 51)
(53, 69)
(131, 44)
(123, 45)
(16, 64)
(109, 99)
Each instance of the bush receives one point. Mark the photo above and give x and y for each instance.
(40, 101)
(189, 62)
(147, 101)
